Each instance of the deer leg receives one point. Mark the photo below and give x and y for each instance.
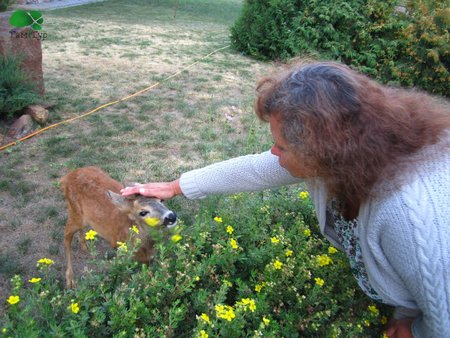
(83, 244)
(69, 231)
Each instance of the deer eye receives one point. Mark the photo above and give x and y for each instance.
(143, 213)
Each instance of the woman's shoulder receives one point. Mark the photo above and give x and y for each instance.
(425, 176)
(420, 196)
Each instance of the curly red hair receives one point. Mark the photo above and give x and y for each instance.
(353, 131)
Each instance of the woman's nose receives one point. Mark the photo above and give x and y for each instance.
(275, 151)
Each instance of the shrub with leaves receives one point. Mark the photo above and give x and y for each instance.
(406, 45)
(16, 89)
(345, 30)
(248, 265)
(4, 4)
(426, 58)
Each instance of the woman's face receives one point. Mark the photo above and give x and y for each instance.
(287, 157)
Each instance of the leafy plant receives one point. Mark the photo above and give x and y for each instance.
(248, 265)
(335, 29)
(16, 89)
(407, 45)
(426, 58)
(4, 4)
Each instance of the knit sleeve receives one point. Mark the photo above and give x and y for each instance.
(240, 174)
(417, 248)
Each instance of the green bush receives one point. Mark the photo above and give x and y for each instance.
(335, 29)
(426, 58)
(249, 265)
(4, 4)
(407, 46)
(16, 89)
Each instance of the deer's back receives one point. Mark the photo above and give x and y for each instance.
(85, 190)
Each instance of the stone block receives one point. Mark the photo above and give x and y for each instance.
(26, 43)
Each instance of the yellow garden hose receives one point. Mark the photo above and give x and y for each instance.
(109, 103)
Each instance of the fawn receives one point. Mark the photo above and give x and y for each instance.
(93, 199)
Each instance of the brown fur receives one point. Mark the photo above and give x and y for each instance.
(90, 197)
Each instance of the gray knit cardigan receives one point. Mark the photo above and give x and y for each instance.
(404, 234)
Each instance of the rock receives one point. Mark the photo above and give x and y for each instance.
(22, 127)
(27, 43)
(38, 113)
(47, 104)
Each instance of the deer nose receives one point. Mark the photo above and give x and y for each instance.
(170, 218)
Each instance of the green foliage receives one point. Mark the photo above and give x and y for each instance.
(4, 4)
(404, 45)
(335, 29)
(248, 265)
(426, 58)
(16, 89)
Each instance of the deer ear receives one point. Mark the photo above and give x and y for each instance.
(123, 202)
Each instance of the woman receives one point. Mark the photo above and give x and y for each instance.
(376, 161)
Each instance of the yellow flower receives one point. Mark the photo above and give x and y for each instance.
(307, 232)
(266, 321)
(34, 280)
(289, 253)
(230, 229)
(45, 261)
(176, 238)
(265, 209)
(332, 250)
(277, 264)
(248, 303)
(319, 281)
(90, 235)
(227, 283)
(197, 278)
(135, 229)
(151, 221)
(252, 305)
(203, 334)
(229, 315)
(74, 308)
(258, 287)
(4, 330)
(205, 318)
(323, 260)
(122, 246)
(13, 300)
(303, 195)
(383, 320)
(225, 312)
(234, 244)
(373, 309)
(219, 308)
(218, 219)
(274, 240)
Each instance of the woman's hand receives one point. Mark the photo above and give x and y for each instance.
(399, 328)
(163, 190)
